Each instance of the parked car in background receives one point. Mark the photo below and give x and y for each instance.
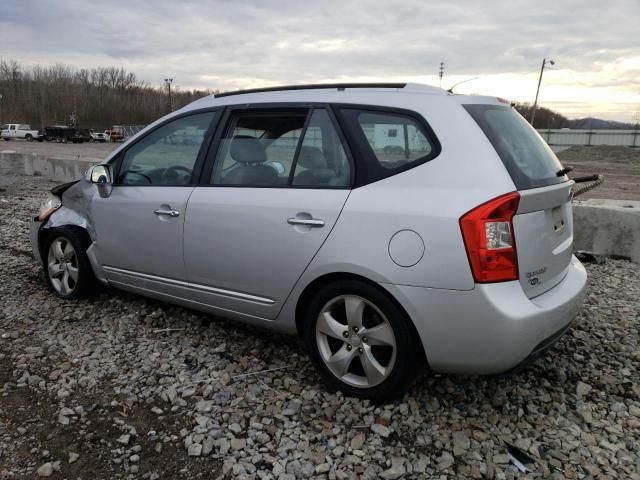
(64, 134)
(23, 131)
(450, 250)
(114, 135)
(99, 136)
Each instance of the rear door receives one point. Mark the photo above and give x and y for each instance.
(268, 202)
(543, 225)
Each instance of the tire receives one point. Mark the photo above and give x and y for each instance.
(92, 140)
(392, 359)
(6, 139)
(65, 257)
(28, 137)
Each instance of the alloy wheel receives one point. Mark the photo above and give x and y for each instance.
(62, 265)
(356, 341)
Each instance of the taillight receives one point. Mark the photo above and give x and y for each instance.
(487, 231)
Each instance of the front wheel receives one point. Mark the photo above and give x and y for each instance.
(360, 341)
(67, 268)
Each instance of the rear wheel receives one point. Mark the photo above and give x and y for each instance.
(67, 268)
(361, 341)
(28, 137)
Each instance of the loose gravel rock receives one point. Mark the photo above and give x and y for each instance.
(124, 387)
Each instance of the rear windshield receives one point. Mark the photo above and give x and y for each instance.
(527, 157)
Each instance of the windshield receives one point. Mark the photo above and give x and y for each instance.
(526, 156)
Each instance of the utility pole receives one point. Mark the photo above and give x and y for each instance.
(535, 102)
(167, 82)
(0, 109)
(441, 73)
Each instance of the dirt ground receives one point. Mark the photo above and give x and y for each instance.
(619, 165)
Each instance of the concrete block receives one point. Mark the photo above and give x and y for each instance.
(61, 170)
(607, 227)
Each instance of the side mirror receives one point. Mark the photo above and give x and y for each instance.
(101, 176)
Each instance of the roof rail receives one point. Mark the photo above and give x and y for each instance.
(339, 86)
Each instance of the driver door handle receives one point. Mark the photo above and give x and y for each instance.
(310, 222)
(169, 213)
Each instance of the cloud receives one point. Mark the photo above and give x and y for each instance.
(238, 44)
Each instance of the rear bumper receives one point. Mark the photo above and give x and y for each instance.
(494, 327)
(34, 235)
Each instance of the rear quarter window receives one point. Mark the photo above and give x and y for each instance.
(526, 156)
(389, 141)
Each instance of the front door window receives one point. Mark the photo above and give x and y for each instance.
(167, 155)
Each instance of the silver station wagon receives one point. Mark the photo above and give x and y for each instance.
(392, 227)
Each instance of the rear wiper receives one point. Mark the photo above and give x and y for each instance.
(564, 171)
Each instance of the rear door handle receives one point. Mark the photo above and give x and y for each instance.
(169, 213)
(309, 222)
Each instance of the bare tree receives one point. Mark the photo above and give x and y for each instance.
(100, 97)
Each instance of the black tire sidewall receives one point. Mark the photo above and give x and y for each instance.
(408, 362)
(86, 279)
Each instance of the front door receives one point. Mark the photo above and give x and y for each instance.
(277, 187)
(139, 225)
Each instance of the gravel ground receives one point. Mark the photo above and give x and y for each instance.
(124, 387)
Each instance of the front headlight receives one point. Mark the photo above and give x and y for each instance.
(50, 205)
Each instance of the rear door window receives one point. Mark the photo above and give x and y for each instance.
(526, 156)
(322, 160)
(289, 148)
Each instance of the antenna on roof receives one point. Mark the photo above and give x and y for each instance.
(450, 90)
(441, 73)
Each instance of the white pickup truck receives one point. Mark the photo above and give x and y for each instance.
(23, 131)
(99, 136)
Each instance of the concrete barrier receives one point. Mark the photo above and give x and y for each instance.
(62, 170)
(607, 227)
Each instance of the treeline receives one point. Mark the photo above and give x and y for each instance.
(545, 117)
(92, 98)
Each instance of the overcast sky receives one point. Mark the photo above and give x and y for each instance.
(241, 44)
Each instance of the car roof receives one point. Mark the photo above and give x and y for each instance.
(336, 92)
(362, 93)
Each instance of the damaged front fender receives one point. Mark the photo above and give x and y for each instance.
(75, 211)
(76, 201)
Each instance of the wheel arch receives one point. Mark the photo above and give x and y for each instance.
(47, 232)
(307, 294)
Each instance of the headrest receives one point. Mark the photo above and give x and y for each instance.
(311, 157)
(247, 149)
